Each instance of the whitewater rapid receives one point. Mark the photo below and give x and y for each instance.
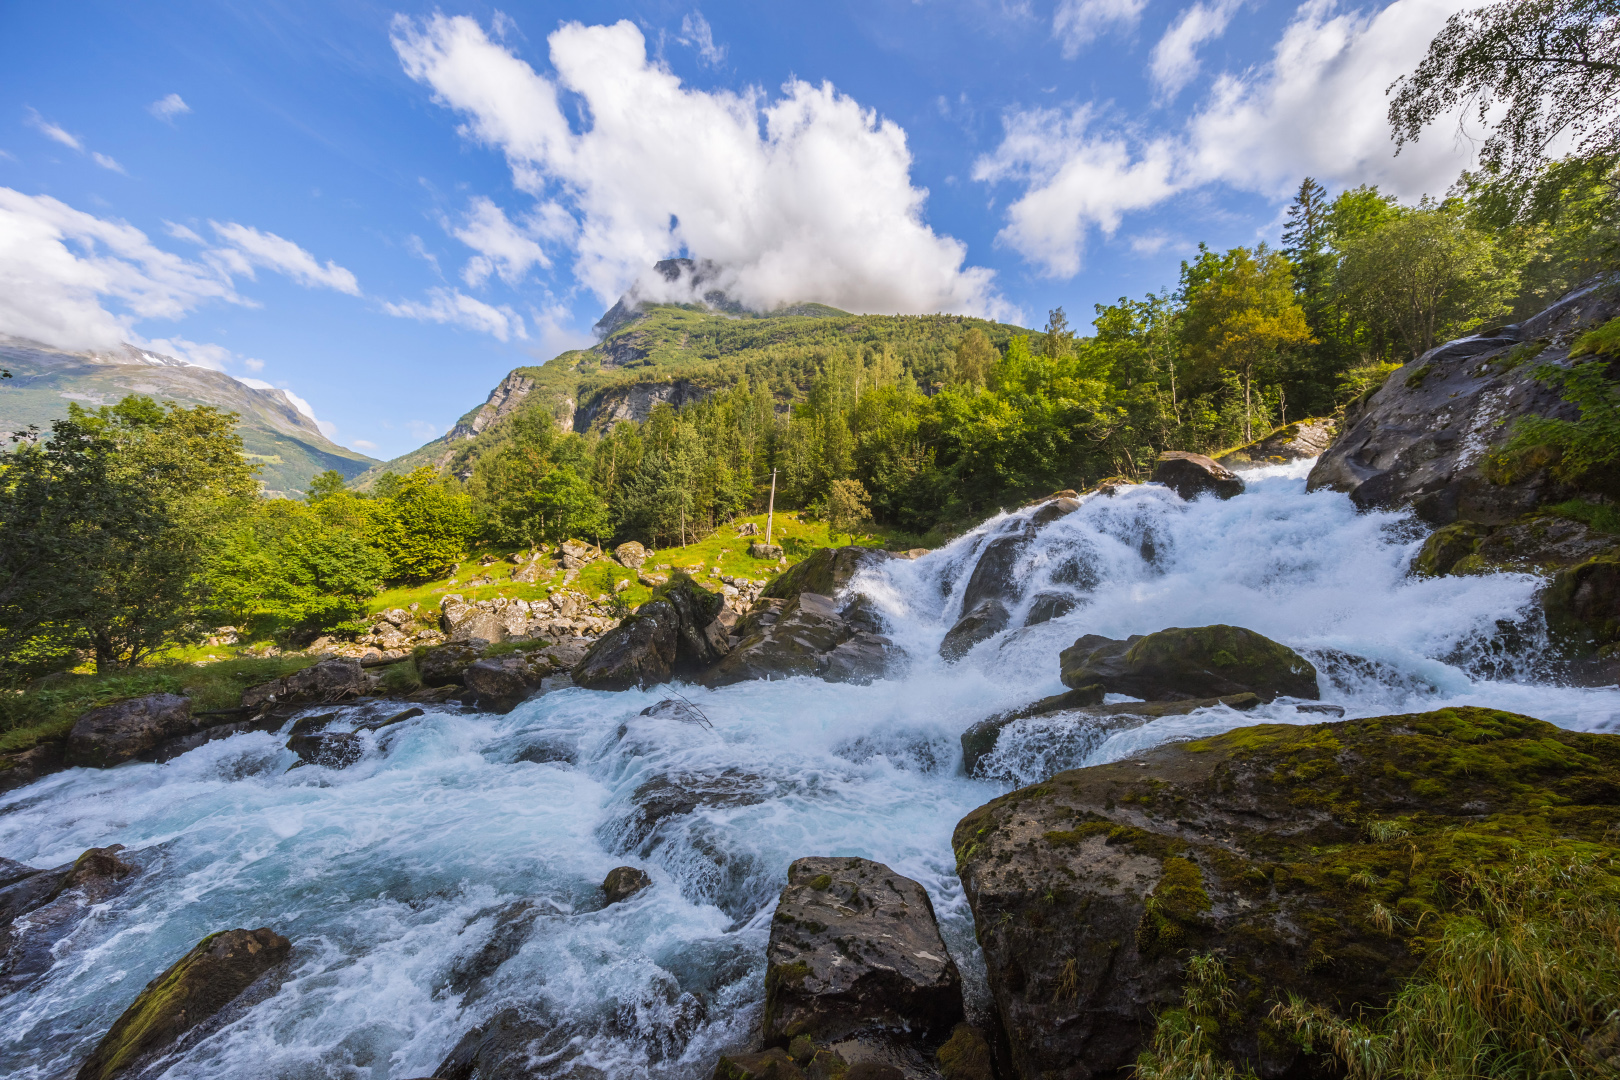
(391, 876)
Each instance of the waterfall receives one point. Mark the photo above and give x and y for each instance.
(453, 872)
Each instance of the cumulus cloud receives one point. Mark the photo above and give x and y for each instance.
(1077, 23)
(455, 308)
(502, 248)
(696, 33)
(1317, 108)
(58, 265)
(1175, 58)
(804, 197)
(169, 107)
(54, 132)
(247, 247)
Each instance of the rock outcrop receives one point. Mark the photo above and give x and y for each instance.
(1537, 543)
(1180, 663)
(114, 734)
(1310, 860)
(1424, 438)
(1192, 475)
(1292, 442)
(499, 683)
(827, 572)
(855, 956)
(995, 583)
(198, 986)
(678, 632)
(327, 681)
(809, 634)
(1583, 605)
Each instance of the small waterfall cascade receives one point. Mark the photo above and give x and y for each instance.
(453, 872)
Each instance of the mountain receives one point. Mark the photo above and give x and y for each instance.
(281, 440)
(653, 352)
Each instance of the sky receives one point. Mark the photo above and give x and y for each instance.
(383, 208)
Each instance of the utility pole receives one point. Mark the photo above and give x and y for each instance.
(770, 514)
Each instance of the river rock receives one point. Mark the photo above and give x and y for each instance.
(445, 665)
(623, 882)
(1180, 663)
(1292, 442)
(40, 910)
(114, 734)
(199, 985)
(336, 750)
(330, 680)
(501, 682)
(1192, 475)
(1084, 706)
(1583, 602)
(576, 553)
(673, 634)
(1537, 543)
(807, 635)
(22, 767)
(827, 572)
(855, 951)
(1312, 859)
(987, 619)
(631, 554)
(1425, 438)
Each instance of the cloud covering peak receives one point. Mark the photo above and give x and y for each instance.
(805, 197)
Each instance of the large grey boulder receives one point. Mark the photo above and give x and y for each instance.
(987, 618)
(1425, 438)
(1192, 475)
(445, 665)
(806, 635)
(855, 951)
(114, 734)
(1180, 663)
(39, 909)
(828, 572)
(678, 632)
(330, 680)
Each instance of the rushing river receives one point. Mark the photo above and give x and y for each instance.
(460, 829)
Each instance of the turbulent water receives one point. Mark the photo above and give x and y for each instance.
(405, 878)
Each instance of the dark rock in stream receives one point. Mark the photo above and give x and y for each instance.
(337, 679)
(23, 768)
(623, 882)
(1310, 860)
(114, 734)
(1192, 475)
(199, 985)
(678, 632)
(855, 955)
(807, 635)
(827, 572)
(40, 908)
(337, 750)
(987, 619)
(444, 665)
(1181, 663)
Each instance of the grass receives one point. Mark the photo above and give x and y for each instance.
(1603, 517)
(1524, 983)
(28, 718)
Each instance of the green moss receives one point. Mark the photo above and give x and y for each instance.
(1141, 840)
(1180, 891)
(1603, 341)
(965, 1055)
(821, 882)
(1448, 548)
(1415, 380)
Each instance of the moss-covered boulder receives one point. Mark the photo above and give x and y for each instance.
(1314, 860)
(827, 572)
(1197, 662)
(1583, 602)
(204, 981)
(1536, 543)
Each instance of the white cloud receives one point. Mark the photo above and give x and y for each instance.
(1316, 109)
(1077, 23)
(180, 232)
(249, 248)
(106, 162)
(696, 33)
(363, 444)
(1175, 57)
(58, 265)
(54, 132)
(456, 308)
(502, 248)
(167, 108)
(805, 197)
(415, 246)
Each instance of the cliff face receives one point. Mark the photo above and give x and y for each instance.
(287, 446)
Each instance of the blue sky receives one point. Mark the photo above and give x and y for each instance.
(384, 207)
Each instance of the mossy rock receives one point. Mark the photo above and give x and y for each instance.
(1448, 546)
(1317, 860)
(1180, 663)
(200, 984)
(1583, 602)
(826, 572)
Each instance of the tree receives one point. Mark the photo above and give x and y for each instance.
(1427, 275)
(1240, 315)
(848, 505)
(974, 357)
(564, 506)
(425, 525)
(1553, 64)
(325, 484)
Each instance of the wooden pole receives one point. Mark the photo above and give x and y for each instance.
(770, 514)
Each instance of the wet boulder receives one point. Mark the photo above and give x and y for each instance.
(988, 618)
(114, 734)
(445, 665)
(502, 682)
(807, 635)
(337, 750)
(1583, 602)
(678, 632)
(623, 882)
(1536, 543)
(1292, 442)
(1192, 475)
(1197, 662)
(855, 952)
(40, 910)
(198, 986)
(22, 767)
(1317, 861)
(337, 679)
(827, 572)
(1427, 438)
